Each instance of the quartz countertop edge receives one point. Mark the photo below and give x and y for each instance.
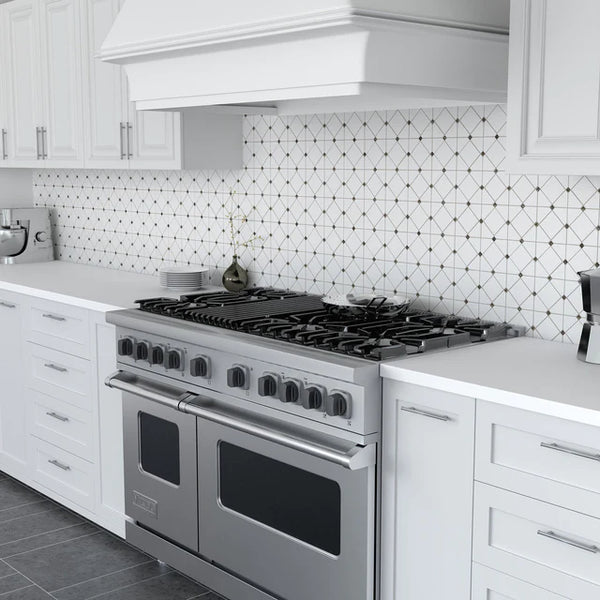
(93, 288)
(526, 373)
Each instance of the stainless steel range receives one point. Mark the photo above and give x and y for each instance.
(252, 425)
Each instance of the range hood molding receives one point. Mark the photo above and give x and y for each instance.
(339, 60)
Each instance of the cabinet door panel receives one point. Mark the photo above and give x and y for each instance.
(155, 140)
(105, 105)
(427, 496)
(22, 78)
(12, 402)
(61, 82)
(554, 87)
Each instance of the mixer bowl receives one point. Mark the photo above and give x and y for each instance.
(12, 241)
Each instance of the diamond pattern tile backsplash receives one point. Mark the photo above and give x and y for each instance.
(404, 202)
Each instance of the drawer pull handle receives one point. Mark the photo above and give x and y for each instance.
(572, 451)
(424, 413)
(58, 464)
(7, 305)
(564, 540)
(54, 317)
(58, 417)
(56, 368)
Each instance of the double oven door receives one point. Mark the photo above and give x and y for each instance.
(261, 500)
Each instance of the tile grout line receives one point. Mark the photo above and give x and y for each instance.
(113, 573)
(51, 545)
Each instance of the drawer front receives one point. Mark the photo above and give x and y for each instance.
(61, 424)
(549, 546)
(551, 459)
(60, 326)
(63, 473)
(493, 585)
(60, 375)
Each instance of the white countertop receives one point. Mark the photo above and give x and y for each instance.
(524, 372)
(93, 288)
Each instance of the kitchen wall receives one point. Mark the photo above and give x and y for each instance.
(405, 202)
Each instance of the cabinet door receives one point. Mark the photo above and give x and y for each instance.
(12, 403)
(155, 140)
(554, 87)
(427, 493)
(22, 79)
(104, 93)
(61, 82)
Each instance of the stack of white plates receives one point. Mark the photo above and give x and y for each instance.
(183, 279)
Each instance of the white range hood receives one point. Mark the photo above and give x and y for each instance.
(313, 55)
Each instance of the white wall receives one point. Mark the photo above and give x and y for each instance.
(16, 188)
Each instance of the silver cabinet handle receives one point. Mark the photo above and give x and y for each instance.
(423, 413)
(122, 140)
(58, 417)
(54, 317)
(7, 305)
(4, 150)
(565, 540)
(38, 130)
(129, 140)
(58, 464)
(44, 143)
(572, 451)
(56, 368)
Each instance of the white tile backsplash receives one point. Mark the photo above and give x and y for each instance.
(407, 202)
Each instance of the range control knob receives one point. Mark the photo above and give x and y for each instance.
(157, 355)
(237, 377)
(200, 367)
(338, 404)
(312, 397)
(174, 360)
(290, 391)
(142, 351)
(267, 385)
(125, 346)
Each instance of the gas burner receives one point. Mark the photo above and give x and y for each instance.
(375, 333)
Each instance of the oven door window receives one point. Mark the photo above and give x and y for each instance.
(159, 448)
(298, 503)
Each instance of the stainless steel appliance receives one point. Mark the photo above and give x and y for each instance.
(589, 345)
(252, 424)
(25, 235)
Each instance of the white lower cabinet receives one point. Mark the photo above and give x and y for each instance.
(60, 427)
(13, 431)
(546, 545)
(427, 495)
(493, 585)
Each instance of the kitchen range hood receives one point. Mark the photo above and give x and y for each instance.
(278, 56)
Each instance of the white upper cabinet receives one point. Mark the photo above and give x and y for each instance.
(554, 87)
(61, 82)
(64, 108)
(20, 47)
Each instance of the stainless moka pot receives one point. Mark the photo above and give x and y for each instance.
(589, 346)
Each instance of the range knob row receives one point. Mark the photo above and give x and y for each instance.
(311, 397)
(171, 358)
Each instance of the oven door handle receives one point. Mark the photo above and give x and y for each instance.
(356, 458)
(160, 393)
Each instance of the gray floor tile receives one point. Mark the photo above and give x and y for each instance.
(76, 561)
(29, 593)
(172, 586)
(13, 494)
(8, 514)
(108, 583)
(5, 569)
(33, 525)
(16, 581)
(46, 540)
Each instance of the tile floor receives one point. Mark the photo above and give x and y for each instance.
(48, 552)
